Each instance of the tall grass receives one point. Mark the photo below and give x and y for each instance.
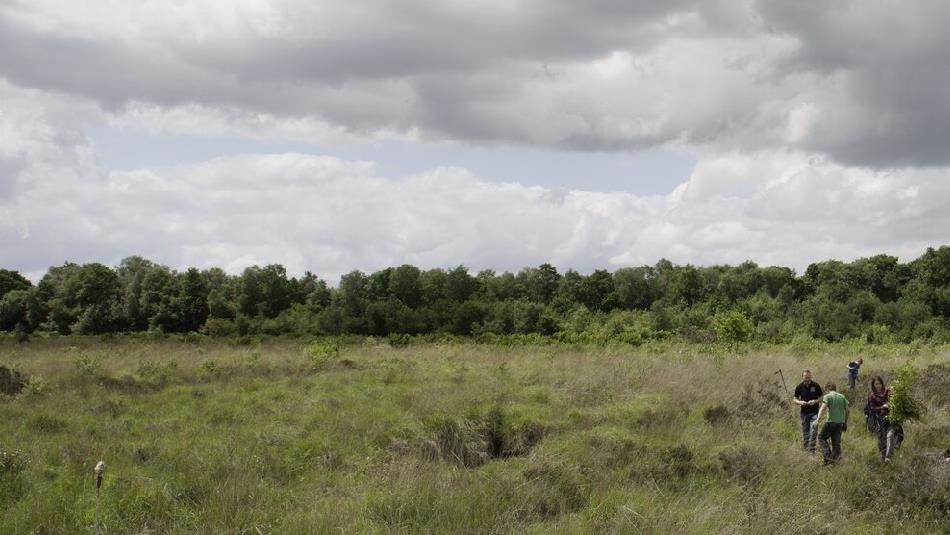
(282, 436)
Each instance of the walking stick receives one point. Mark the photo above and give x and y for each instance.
(779, 372)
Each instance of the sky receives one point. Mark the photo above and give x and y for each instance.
(329, 136)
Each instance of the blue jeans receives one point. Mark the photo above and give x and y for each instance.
(830, 431)
(852, 379)
(809, 428)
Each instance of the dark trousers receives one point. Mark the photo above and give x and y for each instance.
(831, 431)
(852, 379)
(809, 431)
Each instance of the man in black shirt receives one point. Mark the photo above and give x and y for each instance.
(808, 397)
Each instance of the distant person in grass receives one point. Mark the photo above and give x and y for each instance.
(807, 394)
(835, 405)
(853, 368)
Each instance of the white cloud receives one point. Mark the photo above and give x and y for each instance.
(807, 148)
(330, 216)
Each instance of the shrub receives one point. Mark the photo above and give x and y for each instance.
(321, 354)
(47, 424)
(933, 385)
(715, 415)
(86, 365)
(12, 462)
(12, 465)
(11, 381)
(35, 387)
(664, 466)
(902, 406)
(732, 327)
(554, 489)
(479, 437)
(398, 340)
(919, 482)
(745, 466)
(219, 327)
(762, 400)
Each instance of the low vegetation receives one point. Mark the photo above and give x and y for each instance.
(377, 435)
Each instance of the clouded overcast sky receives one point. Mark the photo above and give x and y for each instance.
(338, 135)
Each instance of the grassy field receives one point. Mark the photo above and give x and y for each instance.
(286, 437)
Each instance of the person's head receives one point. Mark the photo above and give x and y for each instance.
(806, 375)
(860, 361)
(877, 385)
(831, 387)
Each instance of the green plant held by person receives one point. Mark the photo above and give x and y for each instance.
(902, 405)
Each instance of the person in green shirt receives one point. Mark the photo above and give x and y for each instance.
(835, 405)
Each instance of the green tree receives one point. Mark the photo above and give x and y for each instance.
(12, 280)
(15, 311)
(733, 327)
(686, 286)
(635, 287)
(265, 291)
(406, 286)
(541, 282)
(597, 291)
(193, 301)
(459, 285)
(92, 291)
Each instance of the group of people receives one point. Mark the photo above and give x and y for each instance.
(817, 402)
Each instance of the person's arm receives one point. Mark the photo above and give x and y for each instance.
(822, 410)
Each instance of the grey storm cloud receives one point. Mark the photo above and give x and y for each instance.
(464, 71)
(892, 63)
(864, 83)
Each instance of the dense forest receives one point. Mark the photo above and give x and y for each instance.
(876, 299)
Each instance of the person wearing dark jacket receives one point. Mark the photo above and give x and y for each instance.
(889, 435)
(853, 368)
(807, 396)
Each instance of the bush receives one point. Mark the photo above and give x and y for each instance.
(920, 482)
(321, 353)
(220, 327)
(11, 381)
(86, 365)
(35, 386)
(480, 437)
(716, 415)
(902, 406)
(745, 466)
(12, 462)
(554, 489)
(766, 398)
(12, 465)
(399, 340)
(732, 327)
(47, 424)
(933, 384)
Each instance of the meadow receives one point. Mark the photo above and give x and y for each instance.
(293, 436)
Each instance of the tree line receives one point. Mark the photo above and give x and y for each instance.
(878, 299)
